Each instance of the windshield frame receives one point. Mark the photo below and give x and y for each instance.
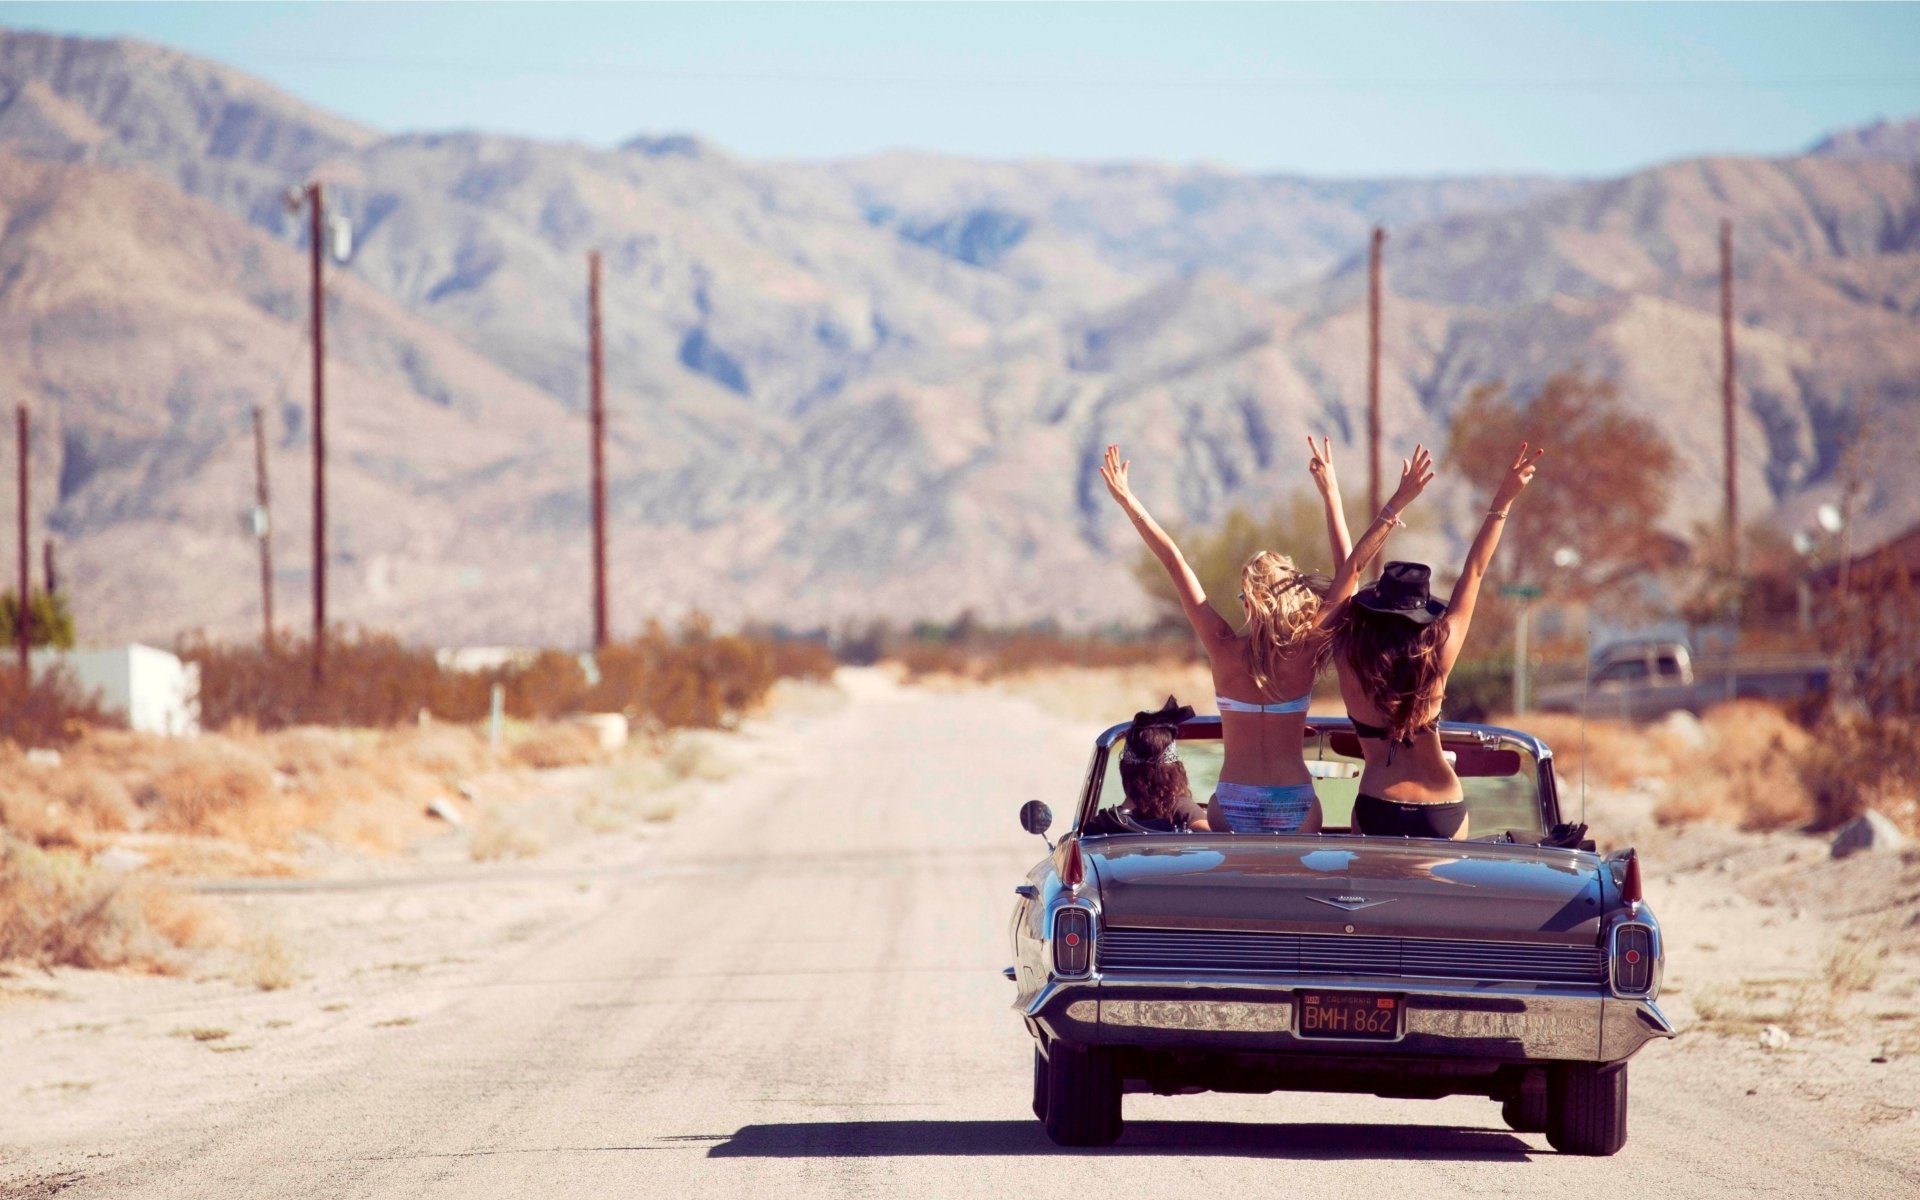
(1208, 729)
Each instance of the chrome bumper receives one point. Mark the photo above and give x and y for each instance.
(1441, 1019)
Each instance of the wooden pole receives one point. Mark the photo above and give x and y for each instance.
(597, 410)
(1374, 501)
(263, 528)
(23, 628)
(47, 566)
(1727, 395)
(316, 229)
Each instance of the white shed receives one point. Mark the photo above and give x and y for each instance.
(152, 689)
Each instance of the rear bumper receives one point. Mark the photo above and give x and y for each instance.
(1487, 1023)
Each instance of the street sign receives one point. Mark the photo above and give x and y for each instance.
(1521, 591)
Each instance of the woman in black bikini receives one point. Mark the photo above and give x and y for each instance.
(1394, 648)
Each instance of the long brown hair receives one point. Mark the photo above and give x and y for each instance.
(1397, 664)
(1282, 603)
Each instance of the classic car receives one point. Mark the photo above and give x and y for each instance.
(1516, 964)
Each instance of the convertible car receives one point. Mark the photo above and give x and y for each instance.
(1517, 964)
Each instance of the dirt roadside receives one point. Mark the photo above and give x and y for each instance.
(1765, 930)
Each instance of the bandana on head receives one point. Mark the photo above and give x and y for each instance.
(1169, 716)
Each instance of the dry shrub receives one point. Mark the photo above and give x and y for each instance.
(499, 834)
(692, 678)
(267, 962)
(60, 805)
(1746, 775)
(1615, 755)
(50, 710)
(545, 747)
(210, 783)
(1861, 762)
(57, 911)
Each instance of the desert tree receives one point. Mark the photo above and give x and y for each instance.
(1605, 488)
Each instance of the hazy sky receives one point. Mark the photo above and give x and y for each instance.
(1324, 89)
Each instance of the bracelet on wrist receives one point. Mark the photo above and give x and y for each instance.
(1497, 514)
(1390, 517)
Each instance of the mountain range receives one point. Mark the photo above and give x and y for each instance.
(845, 390)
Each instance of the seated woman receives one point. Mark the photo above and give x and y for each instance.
(1159, 798)
(1394, 648)
(1263, 674)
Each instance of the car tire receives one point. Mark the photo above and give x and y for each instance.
(1587, 1108)
(1083, 1096)
(1039, 1084)
(1526, 1112)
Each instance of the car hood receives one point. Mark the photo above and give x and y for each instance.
(1397, 887)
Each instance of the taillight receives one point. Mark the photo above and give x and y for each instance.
(1073, 867)
(1632, 959)
(1630, 886)
(1072, 941)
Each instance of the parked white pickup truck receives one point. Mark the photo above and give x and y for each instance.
(1638, 681)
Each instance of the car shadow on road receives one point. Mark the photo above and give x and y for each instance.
(886, 1139)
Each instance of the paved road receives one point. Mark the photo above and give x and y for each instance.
(804, 999)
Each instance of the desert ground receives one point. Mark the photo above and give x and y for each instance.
(792, 987)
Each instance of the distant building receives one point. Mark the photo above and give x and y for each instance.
(1901, 550)
(152, 689)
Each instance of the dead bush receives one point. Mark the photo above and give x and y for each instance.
(50, 710)
(691, 678)
(545, 747)
(1615, 755)
(1746, 775)
(208, 782)
(57, 911)
(1860, 762)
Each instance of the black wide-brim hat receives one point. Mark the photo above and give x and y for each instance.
(1401, 591)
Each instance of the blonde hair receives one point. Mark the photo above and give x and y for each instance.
(1282, 604)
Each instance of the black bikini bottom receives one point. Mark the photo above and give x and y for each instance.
(1385, 818)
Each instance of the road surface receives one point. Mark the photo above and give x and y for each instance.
(797, 992)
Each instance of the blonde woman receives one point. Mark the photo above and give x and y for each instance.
(1263, 675)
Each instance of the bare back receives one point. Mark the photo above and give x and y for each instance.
(1265, 749)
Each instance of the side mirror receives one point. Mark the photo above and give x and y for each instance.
(1036, 818)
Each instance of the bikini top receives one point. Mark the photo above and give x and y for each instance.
(1296, 705)
(1375, 731)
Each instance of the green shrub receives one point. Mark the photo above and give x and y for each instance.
(52, 620)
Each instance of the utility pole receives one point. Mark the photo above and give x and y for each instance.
(46, 566)
(1726, 395)
(597, 416)
(263, 528)
(1373, 370)
(23, 627)
(316, 230)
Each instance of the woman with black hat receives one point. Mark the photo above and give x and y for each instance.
(1394, 648)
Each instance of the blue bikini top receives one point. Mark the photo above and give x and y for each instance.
(1296, 705)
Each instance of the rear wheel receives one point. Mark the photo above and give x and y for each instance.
(1083, 1096)
(1587, 1108)
(1039, 1084)
(1526, 1112)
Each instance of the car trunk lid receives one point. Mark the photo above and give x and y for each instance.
(1392, 887)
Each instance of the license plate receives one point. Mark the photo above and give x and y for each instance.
(1366, 1015)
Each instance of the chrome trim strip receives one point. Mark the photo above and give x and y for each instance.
(1542, 1024)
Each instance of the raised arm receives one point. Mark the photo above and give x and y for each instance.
(1208, 624)
(1321, 466)
(1415, 474)
(1466, 593)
